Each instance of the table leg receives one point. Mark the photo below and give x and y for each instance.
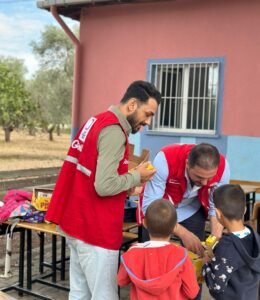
(41, 264)
(21, 261)
(140, 234)
(29, 259)
(250, 201)
(54, 257)
(253, 203)
(258, 228)
(63, 258)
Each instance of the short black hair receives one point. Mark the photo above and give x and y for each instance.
(141, 90)
(231, 201)
(205, 156)
(161, 217)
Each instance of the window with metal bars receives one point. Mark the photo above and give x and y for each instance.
(189, 97)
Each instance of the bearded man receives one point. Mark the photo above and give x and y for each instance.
(88, 199)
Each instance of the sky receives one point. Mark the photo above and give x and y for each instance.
(20, 23)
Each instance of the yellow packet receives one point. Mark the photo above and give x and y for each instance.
(150, 167)
(41, 199)
(197, 264)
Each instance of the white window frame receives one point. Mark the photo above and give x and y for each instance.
(156, 66)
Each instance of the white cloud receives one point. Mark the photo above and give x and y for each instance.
(21, 26)
(30, 62)
(16, 25)
(16, 33)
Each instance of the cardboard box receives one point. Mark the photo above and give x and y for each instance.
(41, 198)
(135, 160)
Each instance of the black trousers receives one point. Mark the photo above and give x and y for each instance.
(196, 224)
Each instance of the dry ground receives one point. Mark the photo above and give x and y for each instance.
(26, 152)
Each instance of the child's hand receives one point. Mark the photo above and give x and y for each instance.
(205, 258)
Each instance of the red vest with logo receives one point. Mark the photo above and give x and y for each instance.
(176, 185)
(75, 206)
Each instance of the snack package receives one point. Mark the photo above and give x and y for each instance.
(41, 199)
(197, 264)
(209, 244)
(150, 167)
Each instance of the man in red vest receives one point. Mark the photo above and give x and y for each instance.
(187, 175)
(89, 196)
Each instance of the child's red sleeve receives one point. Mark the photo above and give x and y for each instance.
(190, 285)
(122, 276)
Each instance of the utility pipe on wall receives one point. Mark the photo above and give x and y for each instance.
(76, 73)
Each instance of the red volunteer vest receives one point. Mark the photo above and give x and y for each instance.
(176, 156)
(75, 206)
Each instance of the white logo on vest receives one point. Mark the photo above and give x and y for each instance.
(126, 162)
(77, 145)
(86, 129)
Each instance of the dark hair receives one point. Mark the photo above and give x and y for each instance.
(230, 200)
(160, 218)
(141, 90)
(205, 156)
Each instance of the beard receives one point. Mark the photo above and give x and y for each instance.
(132, 120)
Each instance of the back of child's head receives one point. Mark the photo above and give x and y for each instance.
(230, 200)
(160, 218)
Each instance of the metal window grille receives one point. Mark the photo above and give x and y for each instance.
(189, 97)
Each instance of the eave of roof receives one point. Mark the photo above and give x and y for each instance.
(72, 8)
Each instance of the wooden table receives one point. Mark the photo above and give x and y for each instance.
(250, 191)
(25, 230)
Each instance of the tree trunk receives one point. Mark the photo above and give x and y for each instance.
(50, 131)
(58, 130)
(51, 135)
(8, 131)
(32, 131)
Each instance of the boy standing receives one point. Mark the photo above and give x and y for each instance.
(234, 271)
(157, 269)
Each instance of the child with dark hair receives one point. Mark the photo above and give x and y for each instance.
(158, 269)
(234, 271)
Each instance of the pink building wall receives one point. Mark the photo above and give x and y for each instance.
(117, 40)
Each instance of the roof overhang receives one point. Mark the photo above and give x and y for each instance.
(72, 8)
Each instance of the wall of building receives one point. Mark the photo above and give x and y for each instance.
(118, 41)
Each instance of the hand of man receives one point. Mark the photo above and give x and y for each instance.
(189, 240)
(145, 174)
(134, 191)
